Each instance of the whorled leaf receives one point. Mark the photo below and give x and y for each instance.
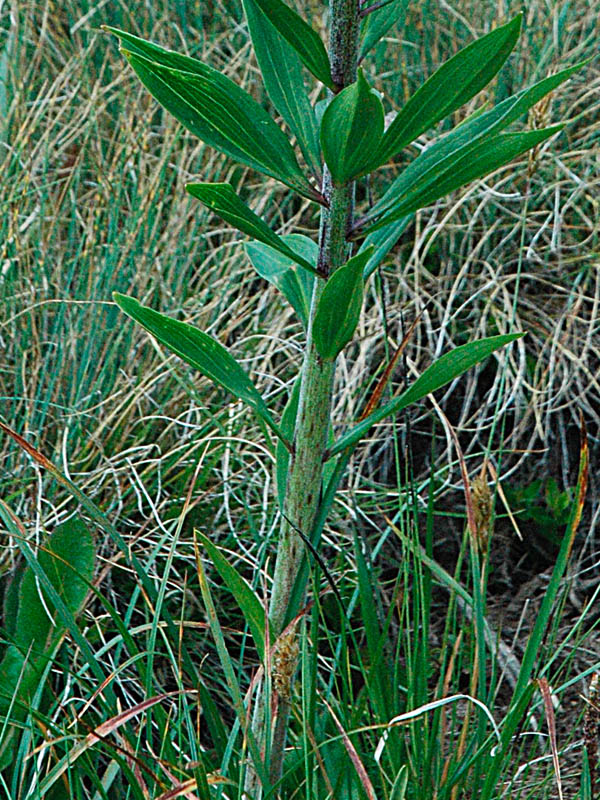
(339, 307)
(351, 130)
(222, 199)
(281, 70)
(216, 110)
(448, 367)
(200, 351)
(451, 86)
(281, 271)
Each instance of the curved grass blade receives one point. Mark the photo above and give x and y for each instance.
(216, 110)
(451, 86)
(441, 372)
(281, 70)
(222, 199)
(200, 351)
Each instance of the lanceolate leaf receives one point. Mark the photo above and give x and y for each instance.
(281, 69)
(451, 86)
(216, 110)
(200, 351)
(377, 23)
(288, 424)
(339, 307)
(295, 285)
(246, 598)
(474, 161)
(351, 130)
(299, 35)
(222, 199)
(441, 372)
(381, 241)
(442, 154)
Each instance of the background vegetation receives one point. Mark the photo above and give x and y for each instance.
(92, 174)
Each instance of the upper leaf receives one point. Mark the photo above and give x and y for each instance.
(281, 69)
(451, 86)
(339, 307)
(280, 270)
(222, 199)
(299, 35)
(448, 367)
(351, 130)
(200, 351)
(473, 161)
(216, 110)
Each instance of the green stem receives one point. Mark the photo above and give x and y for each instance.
(305, 472)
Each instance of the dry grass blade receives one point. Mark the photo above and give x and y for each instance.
(551, 722)
(354, 757)
(373, 401)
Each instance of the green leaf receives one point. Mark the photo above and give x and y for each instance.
(216, 110)
(200, 351)
(418, 190)
(351, 130)
(222, 199)
(382, 241)
(400, 784)
(301, 37)
(249, 604)
(461, 141)
(288, 425)
(281, 69)
(275, 267)
(339, 307)
(377, 23)
(448, 367)
(450, 87)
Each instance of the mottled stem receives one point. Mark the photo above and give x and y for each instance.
(305, 470)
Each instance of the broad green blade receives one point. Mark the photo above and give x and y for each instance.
(281, 69)
(222, 199)
(301, 37)
(377, 23)
(51, 592)
(295, 285)
(249, 604)
(339, 307)
(441, 372)
(472, 162)
(200, 351)
(216, 110)
(450, 87)
(351, 130)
